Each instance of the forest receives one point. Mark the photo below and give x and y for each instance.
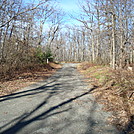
(33, 33)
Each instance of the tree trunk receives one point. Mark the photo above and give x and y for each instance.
(93, 52)
(114, 41)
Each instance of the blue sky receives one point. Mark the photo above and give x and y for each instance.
(67, 5)
(70, 7)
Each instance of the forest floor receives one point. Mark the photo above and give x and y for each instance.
(26, 77)
(114, 89)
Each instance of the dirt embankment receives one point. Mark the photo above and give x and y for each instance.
(115, 89)
(26, 76)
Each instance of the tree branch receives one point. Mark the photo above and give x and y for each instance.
(21, 13)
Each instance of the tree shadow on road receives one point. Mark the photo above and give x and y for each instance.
(29, 92)
(50, 90)
(25, 119)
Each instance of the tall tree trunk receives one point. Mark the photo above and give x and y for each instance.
(93, 51)
(114, 41)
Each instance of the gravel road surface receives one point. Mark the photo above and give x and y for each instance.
(62, 104)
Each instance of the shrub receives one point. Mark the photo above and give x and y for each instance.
(43, 56)
(40, 56)
(48, 54)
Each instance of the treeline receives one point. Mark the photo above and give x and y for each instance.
(32, 32)
(105, 36)
(25, 36)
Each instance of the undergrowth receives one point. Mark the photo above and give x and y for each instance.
(15, 73)
(115, 90)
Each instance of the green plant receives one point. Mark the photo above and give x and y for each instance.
(40, 55)
(48, 54)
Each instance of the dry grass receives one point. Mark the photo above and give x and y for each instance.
(115, 91)
(54, 65)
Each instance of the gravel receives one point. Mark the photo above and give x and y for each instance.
(62, 104)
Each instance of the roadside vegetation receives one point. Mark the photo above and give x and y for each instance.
(26, 76)
(20, 73)
(25, 43)
(34, 60)
(114, 89)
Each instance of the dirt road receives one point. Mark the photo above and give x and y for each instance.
(62, 104)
